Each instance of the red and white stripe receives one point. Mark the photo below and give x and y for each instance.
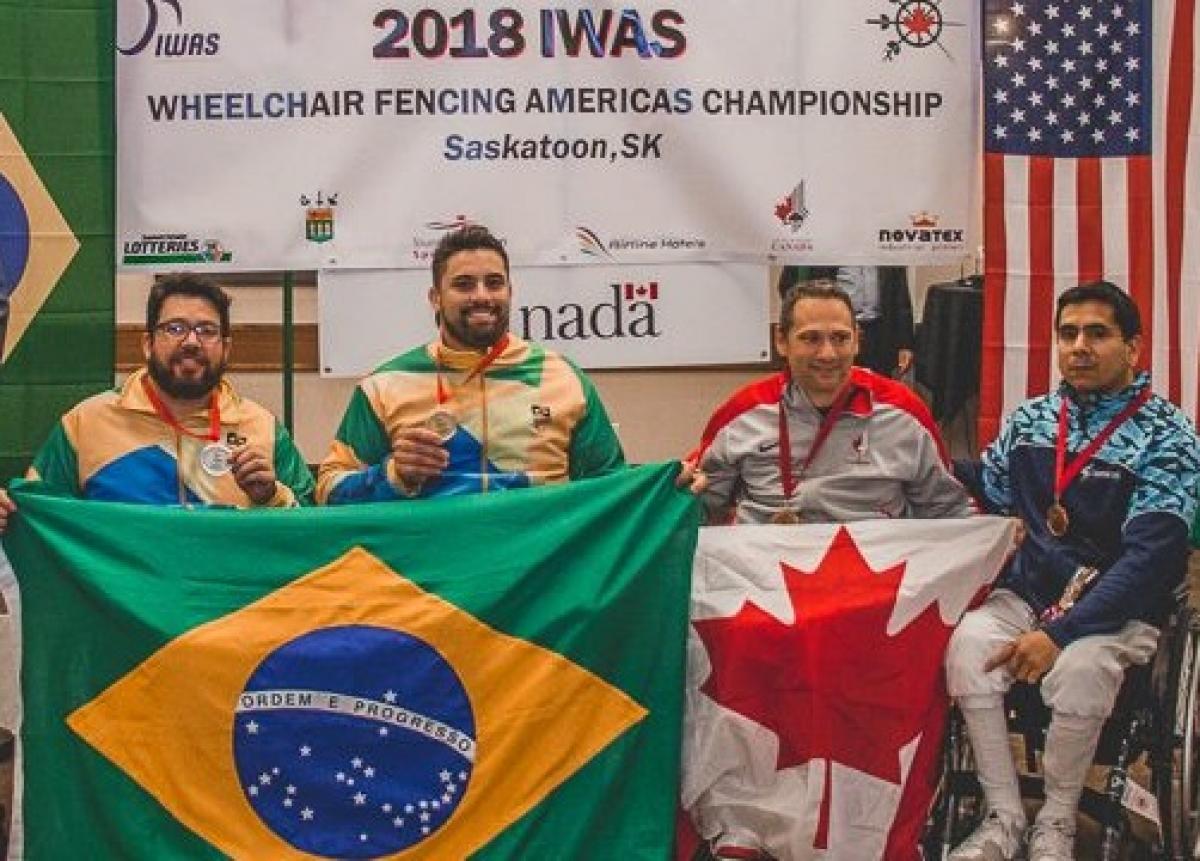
(1052, 223)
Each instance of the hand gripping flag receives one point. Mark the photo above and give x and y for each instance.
(491, 676)
(815, 694)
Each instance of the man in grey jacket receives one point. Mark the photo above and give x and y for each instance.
(823, 440)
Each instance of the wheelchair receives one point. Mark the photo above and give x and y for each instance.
(1156, 716)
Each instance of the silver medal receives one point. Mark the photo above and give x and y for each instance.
(214, 458)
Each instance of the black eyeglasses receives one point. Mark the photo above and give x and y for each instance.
(177, 330)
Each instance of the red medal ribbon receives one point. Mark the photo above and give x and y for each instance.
(790, 481)
(1065, 473)
(482, 365)
(164, 413)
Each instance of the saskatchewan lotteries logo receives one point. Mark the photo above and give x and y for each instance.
(913, 24)
(158, 249)
(318, 216)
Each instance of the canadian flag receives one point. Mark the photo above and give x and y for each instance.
(815, 693)
(649, 290)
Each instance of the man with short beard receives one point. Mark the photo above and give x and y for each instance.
(176, 432)
(476, 409)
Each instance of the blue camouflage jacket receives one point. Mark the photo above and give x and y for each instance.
(1131, 508)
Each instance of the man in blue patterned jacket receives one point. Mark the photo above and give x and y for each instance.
(1104, 475)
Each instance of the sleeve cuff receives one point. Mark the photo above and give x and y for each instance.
(399, 484)
(283, 497)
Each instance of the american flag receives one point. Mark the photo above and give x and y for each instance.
(1090, 171)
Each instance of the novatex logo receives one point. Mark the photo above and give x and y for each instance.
(158, 25)
(923, 232)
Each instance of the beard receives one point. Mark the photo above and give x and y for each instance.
(181, 388)
(474, 336)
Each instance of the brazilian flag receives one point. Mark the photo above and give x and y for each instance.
(56, 215)
(494, 676)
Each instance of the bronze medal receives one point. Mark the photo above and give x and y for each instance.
(786, 517)
(443, 423)
(1057, 520)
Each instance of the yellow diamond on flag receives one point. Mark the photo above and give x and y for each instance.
(36, 243)
(351, 713)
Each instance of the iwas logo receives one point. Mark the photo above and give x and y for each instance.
(621, 310)
(923, 233)
(157, 26)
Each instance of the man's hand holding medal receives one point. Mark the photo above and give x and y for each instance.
(419, 453)
(254, 473)
(251, 467)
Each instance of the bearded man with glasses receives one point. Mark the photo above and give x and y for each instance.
(176, 432)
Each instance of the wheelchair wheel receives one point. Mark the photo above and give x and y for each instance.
(1179, 783)
(958, 805)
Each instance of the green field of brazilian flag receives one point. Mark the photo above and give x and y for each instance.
(56, 215)
(494, 676)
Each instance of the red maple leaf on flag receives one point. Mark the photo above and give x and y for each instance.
(832, 685)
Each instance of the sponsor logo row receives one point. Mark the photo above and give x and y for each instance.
(922, 231)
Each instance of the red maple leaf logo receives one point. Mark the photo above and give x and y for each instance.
(919, 22)
(833, 685)
(784, 209)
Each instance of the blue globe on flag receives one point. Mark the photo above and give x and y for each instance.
(354, 741)
(14, 237)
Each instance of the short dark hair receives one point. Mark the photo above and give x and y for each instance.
(187, 284)
(468, 238)
(1125, 310)
(816, 288)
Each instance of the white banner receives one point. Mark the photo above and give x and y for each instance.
(599, 316)
(294, 134)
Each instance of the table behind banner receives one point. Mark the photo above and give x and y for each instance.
(949, 344)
